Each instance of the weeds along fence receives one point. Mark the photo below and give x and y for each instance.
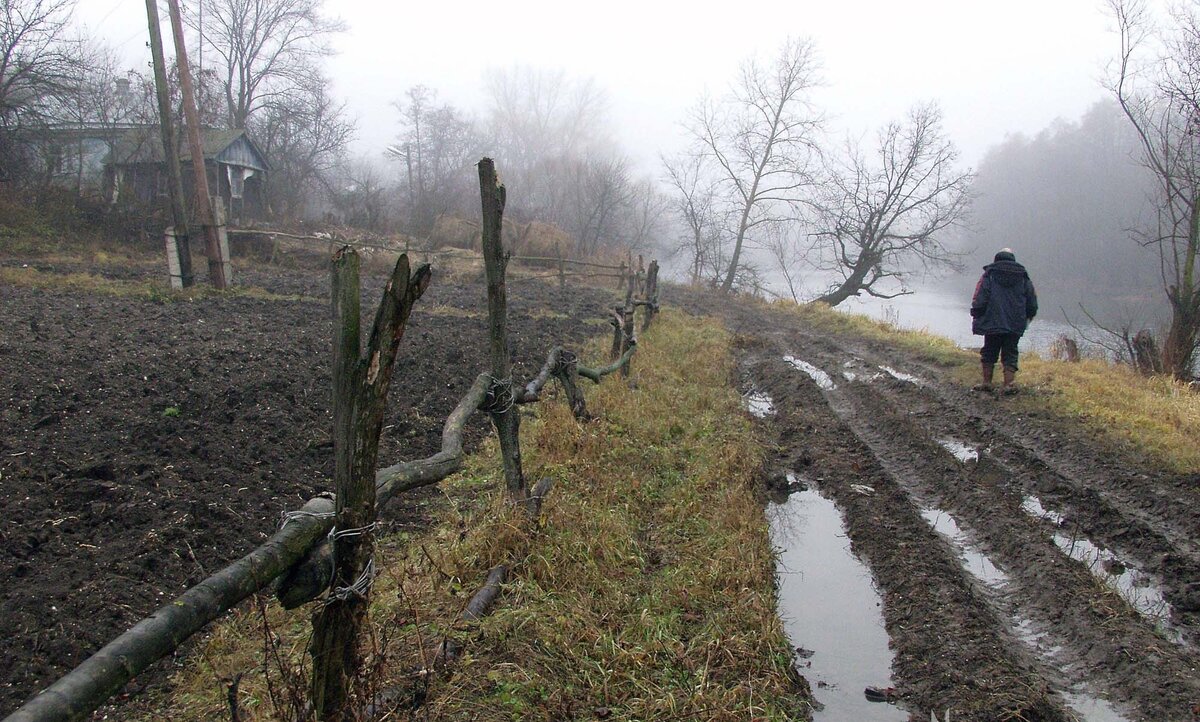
(558, 266)
(325, 548)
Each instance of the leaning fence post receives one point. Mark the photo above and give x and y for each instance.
(360, 386)
(500, 403)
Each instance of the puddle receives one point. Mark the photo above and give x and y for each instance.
(1085, 706)
(1033, 506)
(1092, 709)
(760, 404)
(1133, 585)
(829, 605)
(820, 377)
(963, 452)
(901, 376)
(973, 559)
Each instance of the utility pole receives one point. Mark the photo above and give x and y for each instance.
(170, 150)
(217, 262)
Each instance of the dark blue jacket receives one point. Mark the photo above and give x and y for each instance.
(1004, 301)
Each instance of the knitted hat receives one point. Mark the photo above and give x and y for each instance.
(1005, 254)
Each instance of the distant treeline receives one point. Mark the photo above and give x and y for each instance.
(1070, 202)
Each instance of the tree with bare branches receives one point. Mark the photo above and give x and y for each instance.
(694, 205)
(305, 136)
(265, 48)
(758, 143)
(884, 213)
(38, 62)
(1160, 95)
(439, 146)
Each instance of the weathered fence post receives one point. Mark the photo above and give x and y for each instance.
(501, 401)
(562, 271)
(360, 385)
(651, 295)
(628, 337)
(618, 321)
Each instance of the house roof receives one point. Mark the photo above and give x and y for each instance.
(229, 146)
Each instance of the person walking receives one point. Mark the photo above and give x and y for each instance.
(1004, 304)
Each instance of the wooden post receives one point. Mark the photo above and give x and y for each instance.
(177, 241)
(621, 276)
(628, 337)
(202, 206)
(225, 265)
(360, 386)
(562, 271)
(501, 404)
(617, 322)
(651, 307)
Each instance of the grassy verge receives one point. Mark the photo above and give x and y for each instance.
(926, 346)
(1157, 416)
(646, 592)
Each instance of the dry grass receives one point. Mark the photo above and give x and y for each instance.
(161, 293)
(646, 592)
(927, 346)
(1156, 415)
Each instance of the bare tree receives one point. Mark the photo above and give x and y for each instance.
(880, 215)
(266, 48)
(1161, 98)
(758, 143)
(694, 204)
(37, 64)
(642, 220)
(439, 147)
(362, 194)
(540, 122)
(304, 135)
(789, 251)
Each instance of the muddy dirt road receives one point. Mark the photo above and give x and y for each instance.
(144, 445)
(1026, 572)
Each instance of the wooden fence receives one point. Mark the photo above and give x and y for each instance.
(298, 561)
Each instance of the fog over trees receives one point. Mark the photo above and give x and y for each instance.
(770, 192)
(1067, 201)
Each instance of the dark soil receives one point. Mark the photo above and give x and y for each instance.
(1050, 633)
(144, 445)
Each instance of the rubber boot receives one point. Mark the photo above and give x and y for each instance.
(989, 370)
(1010, 386)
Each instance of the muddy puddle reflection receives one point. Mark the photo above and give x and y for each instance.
(831, 610)
(759, 403)
(1136, 587)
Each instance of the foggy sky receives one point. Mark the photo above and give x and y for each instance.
(996, 68)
